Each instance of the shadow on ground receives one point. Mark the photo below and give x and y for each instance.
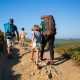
(7, 71)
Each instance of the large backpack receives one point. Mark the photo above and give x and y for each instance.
(9, 30)
(49, 24)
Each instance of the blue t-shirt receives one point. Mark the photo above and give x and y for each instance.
(15, 28)
(42, 24)
(37, 36)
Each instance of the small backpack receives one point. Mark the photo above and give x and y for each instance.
(9, 30)
(49, 24)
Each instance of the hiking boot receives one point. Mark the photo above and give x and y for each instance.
(51, 62)
(37, 66)
(41, 58)
(9, 56)
(32, 60)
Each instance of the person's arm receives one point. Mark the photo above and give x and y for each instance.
(40, 29)
(27, 33)
(4, 37)
(40, 38)
(32, 39)
(4, 34)
(17, 35)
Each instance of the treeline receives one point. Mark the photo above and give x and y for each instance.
(67, 40)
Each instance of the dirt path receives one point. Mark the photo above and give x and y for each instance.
(20, 67)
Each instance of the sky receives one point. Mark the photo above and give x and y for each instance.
(27, 13)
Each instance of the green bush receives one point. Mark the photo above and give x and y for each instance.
(1, 41)
(78, 48)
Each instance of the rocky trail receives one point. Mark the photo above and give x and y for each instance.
(20, 67)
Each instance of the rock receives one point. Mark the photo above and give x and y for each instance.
(53, 75)
(52, 70)
(52, 67)
(34, 66)
(44, 63)
(58, 76)
(46, 71)
(43, 72)
(47, 77)
(59, 73)
(50, 75)
(44, 68)
(31, 74)
(48, 67)
(38, 72)
(40, 63)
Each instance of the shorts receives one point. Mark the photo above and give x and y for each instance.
(11, 42)
(36, 45)
(22, 39)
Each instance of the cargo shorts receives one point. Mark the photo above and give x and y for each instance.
(11, 42)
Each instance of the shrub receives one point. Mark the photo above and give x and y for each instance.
(1, 41)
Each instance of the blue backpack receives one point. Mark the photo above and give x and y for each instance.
(9, 30)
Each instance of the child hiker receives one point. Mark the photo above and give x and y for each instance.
(22, 35)
(36, 43)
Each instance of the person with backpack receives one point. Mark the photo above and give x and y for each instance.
(47, 26)
(9, 37)
(36, 43)
(22, 35)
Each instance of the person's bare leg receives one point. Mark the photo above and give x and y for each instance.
(32, 53)
(8, 49)
(21, 42)
(37, 55)
(11, 51)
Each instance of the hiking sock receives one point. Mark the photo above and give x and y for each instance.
(36, 63)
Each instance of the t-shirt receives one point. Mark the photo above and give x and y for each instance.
(37, 36)
(22, 34)
(42, 24)
(15, 28)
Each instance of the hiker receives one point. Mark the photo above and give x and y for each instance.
(9, 37)
(22, 35)
(46, 38)
(36, 43)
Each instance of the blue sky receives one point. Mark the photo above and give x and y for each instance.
(27, 13)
